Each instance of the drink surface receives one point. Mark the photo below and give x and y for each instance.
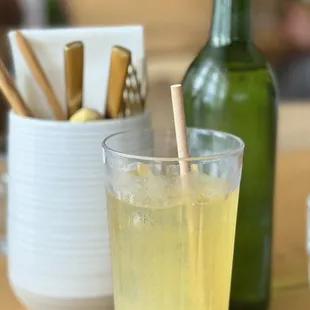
(172, 250)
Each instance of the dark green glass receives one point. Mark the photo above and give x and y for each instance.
(229, 87)
(55, 15)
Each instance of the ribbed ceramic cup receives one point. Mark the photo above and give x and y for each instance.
(58, 248)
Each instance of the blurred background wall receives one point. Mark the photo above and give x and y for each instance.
(174, 32)
(174, 29)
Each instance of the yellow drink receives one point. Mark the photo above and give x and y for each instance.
(154, 265)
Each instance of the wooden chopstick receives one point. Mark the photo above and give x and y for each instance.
(11, 93)
(39, 75)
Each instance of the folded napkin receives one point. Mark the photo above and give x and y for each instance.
(48, 45)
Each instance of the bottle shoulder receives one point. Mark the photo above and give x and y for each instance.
(236, 63)
(221, 79)
(234, 56)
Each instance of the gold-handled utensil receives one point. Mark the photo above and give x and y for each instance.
(74, 62)
(39, 75)
(85, 115)
(120, 60)
(11, 93)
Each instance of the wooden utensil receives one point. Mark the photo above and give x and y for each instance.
(39, 75)
(74, 62)
(11, 93)
(120, 60)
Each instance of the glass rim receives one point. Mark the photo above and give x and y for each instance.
(217, 155)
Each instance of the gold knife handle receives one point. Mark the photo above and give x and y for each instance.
(120, 61)
(74, 67)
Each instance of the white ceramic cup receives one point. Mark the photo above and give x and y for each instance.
(58, 249)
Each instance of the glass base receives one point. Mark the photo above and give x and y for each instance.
(237, 305)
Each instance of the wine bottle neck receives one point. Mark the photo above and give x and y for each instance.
(231, 21)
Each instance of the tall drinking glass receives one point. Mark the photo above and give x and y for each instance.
(172, 235)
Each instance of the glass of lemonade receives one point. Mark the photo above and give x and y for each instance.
(172, 234)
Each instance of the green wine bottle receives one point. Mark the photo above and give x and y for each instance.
(229, 87)
(55, 14)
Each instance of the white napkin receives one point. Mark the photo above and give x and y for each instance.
(48, 45)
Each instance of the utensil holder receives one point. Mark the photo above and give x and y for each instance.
(58, 249)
